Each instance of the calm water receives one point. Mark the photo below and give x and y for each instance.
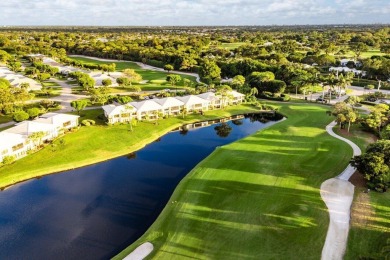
(96, 211)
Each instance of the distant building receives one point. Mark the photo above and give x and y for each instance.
(16, 79)
(346, 70)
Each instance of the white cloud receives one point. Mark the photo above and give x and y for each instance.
(191, 12)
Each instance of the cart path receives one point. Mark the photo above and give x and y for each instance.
(337, 193)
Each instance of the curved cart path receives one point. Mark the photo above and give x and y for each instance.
(337, 193)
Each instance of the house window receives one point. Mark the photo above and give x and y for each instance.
(125, 115)
(66, 124)
(17, 147)
(4, 152)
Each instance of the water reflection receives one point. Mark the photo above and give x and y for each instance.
(223, 130)
(95, 212)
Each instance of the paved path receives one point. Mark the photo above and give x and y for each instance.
(66, 96)
(7, 124)
(142, 65)
(337, 193)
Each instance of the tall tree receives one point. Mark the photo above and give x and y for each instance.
(209, 70)
(79, 105)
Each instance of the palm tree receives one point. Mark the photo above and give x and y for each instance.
(344, 82)
(184, 112)
(332, 82)
(36, 138)
(254, 91)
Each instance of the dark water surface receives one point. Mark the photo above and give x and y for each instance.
(96, 211)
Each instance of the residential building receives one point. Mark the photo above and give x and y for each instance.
(119, 114)
(215, 101)
(13, 145)
(236, 97)
(27, 128)
(194, 103)
(147, 109)
(61, 122)
(16, 79)
(170, 105)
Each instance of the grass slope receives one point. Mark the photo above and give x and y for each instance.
(257, 198)
(98, 143)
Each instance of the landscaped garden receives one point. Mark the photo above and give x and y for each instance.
(256, 198)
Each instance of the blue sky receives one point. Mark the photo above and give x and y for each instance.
(192, 12)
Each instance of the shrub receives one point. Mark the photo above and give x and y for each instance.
(88, 122)
(48, 104)
(8, 159)
(33, 112)
(20, 116)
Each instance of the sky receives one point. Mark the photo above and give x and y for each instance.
(192, 12)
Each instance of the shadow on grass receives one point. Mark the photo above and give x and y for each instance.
(237, 220)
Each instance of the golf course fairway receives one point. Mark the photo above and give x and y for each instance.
(257, 198)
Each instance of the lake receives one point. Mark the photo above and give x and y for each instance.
(96, 211)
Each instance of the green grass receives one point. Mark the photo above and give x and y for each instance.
(5, 119)
(357, 135)
(366, 54)
(367, 238)
(257, 198)
(151, 75)
(98, 143)
(232, 46)
(50, 84)
(370, 227)
(120, 65)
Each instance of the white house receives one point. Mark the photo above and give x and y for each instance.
(346, 70)
(16, 79)
(215, 101)
(60, 121)
(237, 98)
(12, 145)
(119, 114)
(194, 103)
(344, 62)
(27, 128)
(147, 109)
(170, 105)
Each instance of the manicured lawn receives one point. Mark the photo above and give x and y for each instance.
(98, 143)
(370, 223)
(120, 65)
(257, 198)
(370, 231)
(366, 54)
(233, 45)
(157, 78)
(356, 135)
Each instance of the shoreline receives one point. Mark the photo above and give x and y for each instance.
(134, 148)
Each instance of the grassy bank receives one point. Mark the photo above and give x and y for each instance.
(257, 198)
(98, 143)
